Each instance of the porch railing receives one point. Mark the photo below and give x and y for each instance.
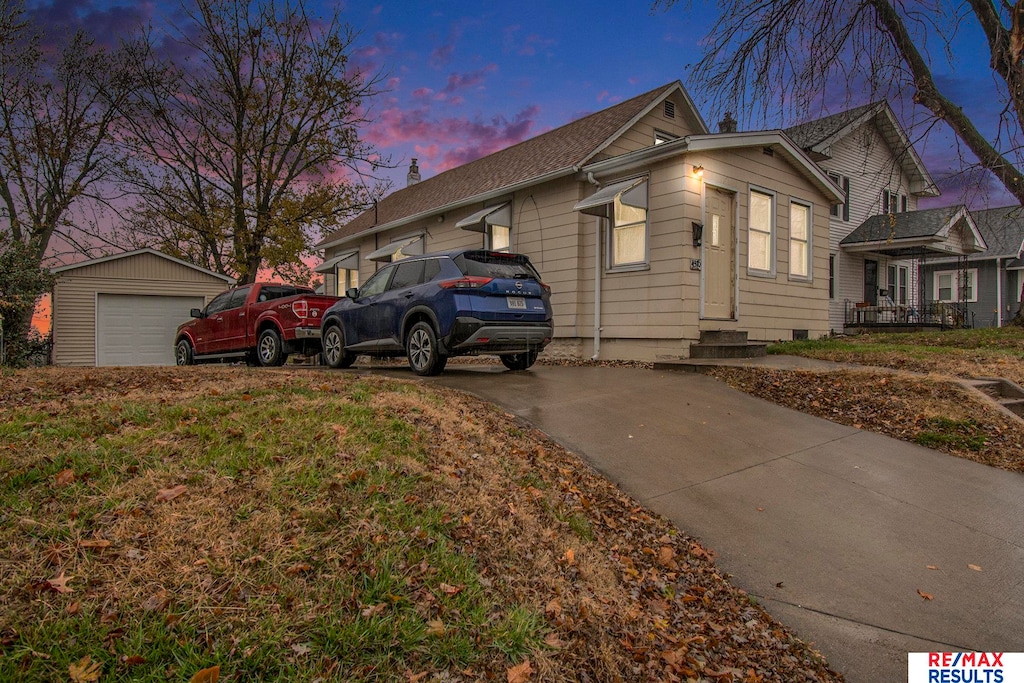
(933, 314)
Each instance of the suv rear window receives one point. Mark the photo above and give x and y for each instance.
(495, 264)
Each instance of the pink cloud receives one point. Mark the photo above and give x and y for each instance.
(527, 46)
(468, 80)
(445, 143)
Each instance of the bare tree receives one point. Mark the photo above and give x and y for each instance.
(58, 112)
(248, 148)
(785, 56)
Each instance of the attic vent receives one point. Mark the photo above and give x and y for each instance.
(670, 109)
(769, 151)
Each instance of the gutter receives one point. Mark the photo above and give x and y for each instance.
(466, 201)
(597, 277)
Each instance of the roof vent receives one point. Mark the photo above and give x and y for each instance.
(414, 174)
(727, 124)
(670, 109)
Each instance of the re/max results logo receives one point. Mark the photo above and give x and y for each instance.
(965, 667)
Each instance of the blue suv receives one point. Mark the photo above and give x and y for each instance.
(435, 306)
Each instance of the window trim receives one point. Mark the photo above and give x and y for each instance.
(771, 232)
(844, 184)
(972, 274)
(833, 261)
(809, 241)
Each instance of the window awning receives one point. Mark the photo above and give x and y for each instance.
(492, 215)
(385, 253)
(349, 260)
(633, 193)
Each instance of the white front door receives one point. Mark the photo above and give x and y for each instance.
(719, 254)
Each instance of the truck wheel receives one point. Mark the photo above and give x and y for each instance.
(183, 353)
(269, 349)
(334, 352)
(421, 348)
(519, 361)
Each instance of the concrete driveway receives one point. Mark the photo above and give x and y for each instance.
(832, 528)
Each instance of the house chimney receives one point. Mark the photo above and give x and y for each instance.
(414, 174)
(727, 124)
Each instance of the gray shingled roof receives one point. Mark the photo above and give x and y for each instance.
(807, 135)
(1003, 230)
(556, 150)
(908, 225)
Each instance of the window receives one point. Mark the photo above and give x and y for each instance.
(500, 237)
(219, 304)
(378, 282)
(831, 276)
(407, 274)
(799, 241)
(841, 210)
(661, 137)
(903, 272)
(238, 297)
(893, 202)
(761, 231)
(1014, 284)
(346, 278)
(629, 233)
(956, 285)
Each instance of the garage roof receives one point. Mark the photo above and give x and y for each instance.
(137, 252)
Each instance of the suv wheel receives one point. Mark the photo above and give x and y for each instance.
(425, 357)
(269, 349)
(519, 361)
(335, 355)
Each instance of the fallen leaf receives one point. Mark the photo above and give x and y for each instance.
(298, 568)
(65, 478)
(553, 641)
(60, 583)
(340, 430)
(94, 543)
(569, 557)
(553, 609)
(85, 670)
(134, 660)
(410, 677)
(926, 596)
(435, 627)
(451, 590)
(300, 648)
(932, 567)
(520, 673)
(157, 602)
(74, 608)
(373, 610)
(209, 675)
(164, 495)
(974, 567)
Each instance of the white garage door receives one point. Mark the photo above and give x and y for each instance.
(139, 330)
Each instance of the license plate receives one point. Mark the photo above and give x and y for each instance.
(516, 302)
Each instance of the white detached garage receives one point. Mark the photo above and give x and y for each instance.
(124, 309)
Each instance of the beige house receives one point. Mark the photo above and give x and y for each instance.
(649, 229)
(124, 309)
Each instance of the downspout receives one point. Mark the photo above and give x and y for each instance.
(999, 291)
(597, 277)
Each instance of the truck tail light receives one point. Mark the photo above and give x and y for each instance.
(468, 282)
(300, 308)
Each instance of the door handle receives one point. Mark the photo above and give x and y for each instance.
(241, 315)
(408, 295)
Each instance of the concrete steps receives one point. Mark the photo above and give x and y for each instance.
(727, 344)
(1003, 392)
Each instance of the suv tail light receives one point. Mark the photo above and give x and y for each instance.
(300, 308)
(468, 282)
(545, 287)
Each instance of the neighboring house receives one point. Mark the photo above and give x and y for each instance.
(876, 245)
(989, 282)
(124, 309)
(648, 228)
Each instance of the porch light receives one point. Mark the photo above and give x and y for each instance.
(698, 171)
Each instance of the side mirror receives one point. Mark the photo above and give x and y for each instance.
(196, 313)
(352, 292)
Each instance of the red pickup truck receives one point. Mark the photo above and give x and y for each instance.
(262, 323)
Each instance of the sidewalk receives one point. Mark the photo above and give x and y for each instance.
(832, 528)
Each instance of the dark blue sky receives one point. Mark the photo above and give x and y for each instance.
(464, 79)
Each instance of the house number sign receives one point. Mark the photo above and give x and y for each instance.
(695, 264)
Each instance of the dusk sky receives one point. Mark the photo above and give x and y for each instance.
(462, 80)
